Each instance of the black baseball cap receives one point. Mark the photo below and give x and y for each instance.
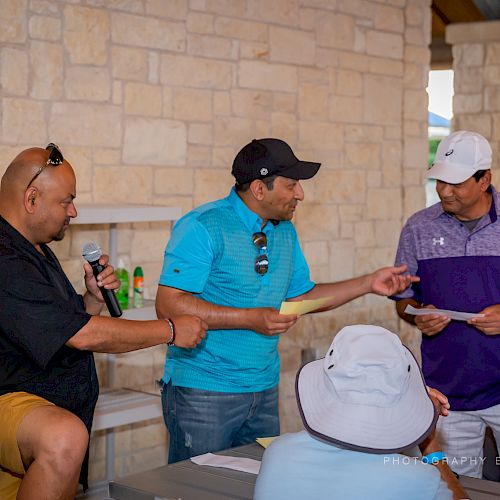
(262, 158)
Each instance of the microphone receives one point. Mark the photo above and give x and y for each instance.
(92, 253)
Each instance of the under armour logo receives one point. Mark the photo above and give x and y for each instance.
(264, 171)
(439, 241)
(448, 153)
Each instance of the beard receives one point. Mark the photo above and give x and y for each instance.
(62, 232)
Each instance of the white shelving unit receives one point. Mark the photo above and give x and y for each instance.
(117, 407)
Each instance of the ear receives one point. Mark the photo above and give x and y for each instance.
(485, 180)
(258, 189)
(30, 198)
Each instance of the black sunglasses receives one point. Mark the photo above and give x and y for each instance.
(55, 158)
(262, 260)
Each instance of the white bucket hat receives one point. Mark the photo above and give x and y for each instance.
(367, 394)
(459, 156)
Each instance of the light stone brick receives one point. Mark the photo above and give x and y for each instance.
(349, 83)
(415, 153)
(130, 184)
(222, 104)
(321, 135)
(355, 62)
(364, 234)
(415, 36)
(496, 127)
(335, 31)
(241, 29)
(47, 77)
(284, 126)
(389, 19)
(363, 133)
(230, 131)
(147, 245)
(284, 102)
(14, 72)
(313, 75)
(176, 9)
(415, 104)
(492, 98)
(148, 32)
(86, 35)
(316, 252)
(467, 103)
(233, 8)
(251, 103)
(313, 102)
(23, 121)
(291, 46)
(414, 15)
(393, 132)
(117, 92)
(211, 184)
(326, 58)
(262, 75)
(368, 259)
(198, 22)
(143, 99)
(200, 133)
(359, 155)
(346, 109)
(382, 100)
(317, 218)
(166, 142)
(414, 200)
(307, 19)
(154, 67)
(13, 21)
(468, 80)
(278, 11)
(351, 213)
(85, 124)
(342, 254)
(346, 230)
(262, 128)
(383, 44)
(106, 156)
(254, 50)
(129, 64)
(81, 161)
(468, 54)
(211, 46)
(341, 186)
(492, 53)
(168, 102)
(417, 55)
(415, 76)
(383, 203)
(193, 104)
(389, 67)
(127, 5)
(87, 84)
(43, 7)
(176, 70)
(492, 75)
(374, 178)
(45, 28)
(222, 157)
(362, 9)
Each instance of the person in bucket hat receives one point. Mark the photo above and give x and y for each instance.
(453, 247)
(232, 262)
(361, 405)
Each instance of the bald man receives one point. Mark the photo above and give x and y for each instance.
(48, 381)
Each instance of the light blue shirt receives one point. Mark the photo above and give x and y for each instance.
(212, 255)
(299, 467)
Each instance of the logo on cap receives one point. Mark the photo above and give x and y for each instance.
(448, 153)
(264, 171)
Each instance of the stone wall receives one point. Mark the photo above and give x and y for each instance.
(150, 100)
(476, 65)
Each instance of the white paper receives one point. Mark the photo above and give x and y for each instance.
(235, 463)
(458, 315)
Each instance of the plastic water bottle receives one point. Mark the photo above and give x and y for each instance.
(122, 292)
(138, 287)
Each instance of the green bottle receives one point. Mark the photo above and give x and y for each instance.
(122, 292)
(138, 287)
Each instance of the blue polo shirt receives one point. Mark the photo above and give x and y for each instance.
(459, 270)
(212, 255)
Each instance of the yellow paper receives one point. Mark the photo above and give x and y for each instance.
(265, 442)
(303, 306)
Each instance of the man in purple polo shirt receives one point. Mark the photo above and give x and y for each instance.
(454, 247)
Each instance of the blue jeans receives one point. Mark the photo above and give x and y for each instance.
(204, 421)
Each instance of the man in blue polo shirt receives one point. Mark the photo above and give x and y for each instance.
(232, 262)
(453, 246)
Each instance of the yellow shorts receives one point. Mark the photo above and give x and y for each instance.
(14, 406)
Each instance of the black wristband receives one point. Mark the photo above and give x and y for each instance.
(172, 330)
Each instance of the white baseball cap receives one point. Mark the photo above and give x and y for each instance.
(459, 156)
(367, 394)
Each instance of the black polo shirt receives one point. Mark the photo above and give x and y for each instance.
(39, 312)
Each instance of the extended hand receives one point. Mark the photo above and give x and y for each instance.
(391, 280)
(490, 324)
(189, 331)
(106, 278)
(431, 324)
(269, 321)
(439, 400)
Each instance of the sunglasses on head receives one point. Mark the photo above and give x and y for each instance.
(55, 158)
(262, 260)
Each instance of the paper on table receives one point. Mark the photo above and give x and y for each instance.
(303, 306)
(460, 316)
(265, 442)
(235, 463)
